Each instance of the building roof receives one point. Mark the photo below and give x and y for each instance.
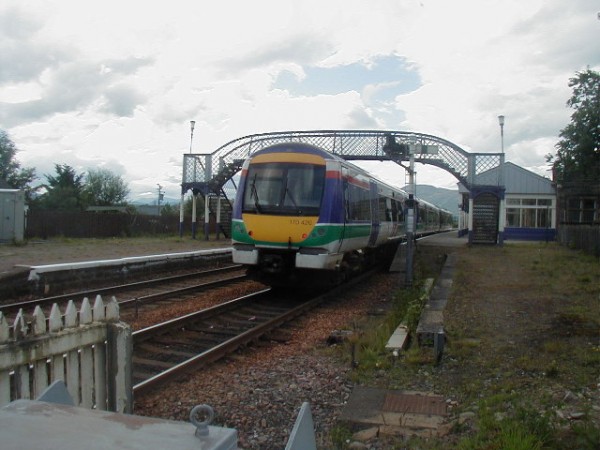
(517, 180)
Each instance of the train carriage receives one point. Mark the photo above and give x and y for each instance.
(300, 210)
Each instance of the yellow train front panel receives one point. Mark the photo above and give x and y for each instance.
(278, 230)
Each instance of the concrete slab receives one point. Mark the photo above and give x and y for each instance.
(395, 412)
(431, 322)
(364, 405)
(416, 403)
(398, 339)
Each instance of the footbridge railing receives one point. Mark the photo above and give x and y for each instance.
(208, 173)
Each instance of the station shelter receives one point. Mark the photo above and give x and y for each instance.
(529, 211)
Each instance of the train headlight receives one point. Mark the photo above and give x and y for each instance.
(240, 229)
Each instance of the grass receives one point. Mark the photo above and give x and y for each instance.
(368, 345)
(514, 349)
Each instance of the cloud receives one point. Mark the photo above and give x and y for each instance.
(300, 48)
(74, 86)
(122, 100)
(23, 57)
(120, 81)
(561, 35)
(126, 66)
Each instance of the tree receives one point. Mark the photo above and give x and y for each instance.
(104, 188)
(63, 191)
(578, 150)
(169, 210)
(11, 172)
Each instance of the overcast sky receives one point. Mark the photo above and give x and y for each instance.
(115, 84)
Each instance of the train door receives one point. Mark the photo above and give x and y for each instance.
(346, 201)
(394, 213)
(375, 222)
(400, 216)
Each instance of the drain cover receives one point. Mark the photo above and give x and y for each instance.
(415, 404)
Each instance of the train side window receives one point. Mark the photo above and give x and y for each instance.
(384, 215)
(359, 205)
(400, 212)
(421, 214)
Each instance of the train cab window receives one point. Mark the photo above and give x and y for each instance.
(284, 189)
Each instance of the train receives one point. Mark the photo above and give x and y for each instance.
(303, 214)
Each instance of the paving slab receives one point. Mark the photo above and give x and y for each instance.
(395, 412)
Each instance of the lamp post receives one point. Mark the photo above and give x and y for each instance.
(502, 188)
(192, 125)
(501, 122)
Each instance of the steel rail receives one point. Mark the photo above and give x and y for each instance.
(144, 299)
(228, 346)
(178, 322)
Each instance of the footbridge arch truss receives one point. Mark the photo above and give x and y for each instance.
(210, 174)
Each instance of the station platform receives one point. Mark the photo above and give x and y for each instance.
(51, 277)
(448, 239)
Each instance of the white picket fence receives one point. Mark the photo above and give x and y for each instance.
(89, 349)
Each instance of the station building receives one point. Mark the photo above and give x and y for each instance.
(529, 210)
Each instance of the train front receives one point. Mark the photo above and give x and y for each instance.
(275, 227)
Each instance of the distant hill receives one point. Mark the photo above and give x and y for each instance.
(152, 201)
(444, 198)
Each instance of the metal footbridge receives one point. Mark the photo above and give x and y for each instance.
(213, 174)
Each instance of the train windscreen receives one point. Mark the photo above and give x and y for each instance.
(284, 189)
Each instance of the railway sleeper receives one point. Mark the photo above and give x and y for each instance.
(151, 362)
(154, 349)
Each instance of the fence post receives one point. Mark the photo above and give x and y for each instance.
(119, 359)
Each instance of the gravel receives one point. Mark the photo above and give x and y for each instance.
(259, 391)
(161, 313)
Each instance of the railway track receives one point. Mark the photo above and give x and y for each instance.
(141, 293)
(172, 348)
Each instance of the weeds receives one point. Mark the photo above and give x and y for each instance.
(513, 349)
(506, 424)
(368, 345)
(340, 436)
